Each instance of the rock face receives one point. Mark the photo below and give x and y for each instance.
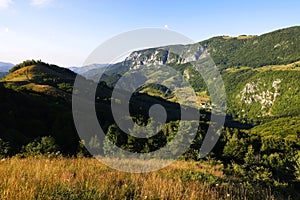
(176, 54)
(258, 92)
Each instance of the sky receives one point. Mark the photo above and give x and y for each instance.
(65, 32)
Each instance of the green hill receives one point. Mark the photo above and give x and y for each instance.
(258, 94)
(35, 103)
(40, 77)
(278, 47)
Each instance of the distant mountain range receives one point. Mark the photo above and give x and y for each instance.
(87, 70)
(4, 68)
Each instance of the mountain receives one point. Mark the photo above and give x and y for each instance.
(268, 63)
(277, 47)
(274, 48)
(84, 69)
(2, 74)
(4, 68)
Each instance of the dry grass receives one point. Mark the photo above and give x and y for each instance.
(291, 66)
(23, 74)
(242, 37)
(88, 179)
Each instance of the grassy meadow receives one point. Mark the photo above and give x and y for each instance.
(86, 178)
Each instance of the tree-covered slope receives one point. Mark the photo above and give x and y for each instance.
(255, 94)
(278, 47)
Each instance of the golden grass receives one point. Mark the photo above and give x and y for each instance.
(40, 88)
(242, 37)
(234, 69)
(227, 37)
(291, 66)
(200, 97)
(86, 178)
(29, 73)
(23, 74)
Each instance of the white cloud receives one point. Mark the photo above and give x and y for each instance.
(5, 3)
(39, 3)
(166, 26)
(6, 30)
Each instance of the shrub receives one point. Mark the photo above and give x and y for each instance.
(41, 146)
(65, 86)
(25, 64)
(4, 148)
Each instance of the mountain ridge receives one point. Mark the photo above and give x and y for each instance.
(226, 51)
(278, 50)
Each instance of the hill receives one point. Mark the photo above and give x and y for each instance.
(261, 93)
(277, 47)
(40, 77)
(36, 102)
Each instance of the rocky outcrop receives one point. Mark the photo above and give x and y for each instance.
(176, 54)
(258, 92)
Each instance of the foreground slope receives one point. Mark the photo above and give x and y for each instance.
(36, 102)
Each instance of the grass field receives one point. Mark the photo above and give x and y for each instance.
(86, 178)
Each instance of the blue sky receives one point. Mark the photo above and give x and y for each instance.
(65, 32)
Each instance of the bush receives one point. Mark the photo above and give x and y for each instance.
(24, 64)
(41, 146)
(4, 148)
(65, 86)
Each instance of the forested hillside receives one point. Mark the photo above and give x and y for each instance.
(278, 47)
